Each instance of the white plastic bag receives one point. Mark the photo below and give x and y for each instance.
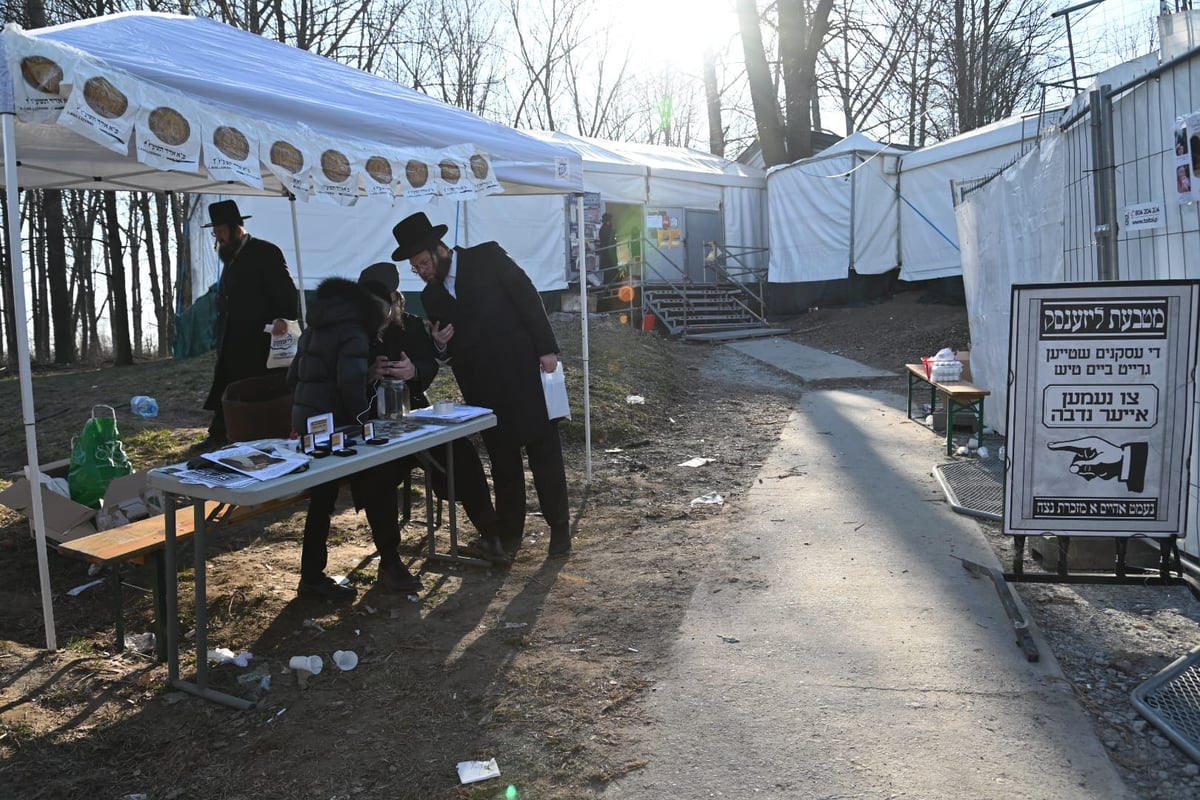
(283, 345)
(554, 386)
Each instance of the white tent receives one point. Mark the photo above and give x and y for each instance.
(834, 212)
(928, 237)
(165, 102)
(536, 230)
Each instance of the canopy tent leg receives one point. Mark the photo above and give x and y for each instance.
(16, 271)
(581, 265)
(299, 263)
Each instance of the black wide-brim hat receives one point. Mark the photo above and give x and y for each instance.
(414, 234)
(225, 212)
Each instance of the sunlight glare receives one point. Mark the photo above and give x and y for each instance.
(674, 33)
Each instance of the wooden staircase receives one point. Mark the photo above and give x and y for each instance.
(715, 312)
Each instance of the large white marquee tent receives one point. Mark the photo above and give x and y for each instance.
(863, 206)
(139, 101)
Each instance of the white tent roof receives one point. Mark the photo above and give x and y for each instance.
(157, 90)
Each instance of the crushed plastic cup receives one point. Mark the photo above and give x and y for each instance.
(346, 660)
(310, 664)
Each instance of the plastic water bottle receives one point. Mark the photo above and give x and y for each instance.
(144, 406)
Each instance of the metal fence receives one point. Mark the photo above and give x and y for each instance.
(1120, 155)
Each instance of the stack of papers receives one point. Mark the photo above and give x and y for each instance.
(239, 465)
(458, 414)
(259, 465)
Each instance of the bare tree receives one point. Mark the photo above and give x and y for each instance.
(118, 294)
(785, 132)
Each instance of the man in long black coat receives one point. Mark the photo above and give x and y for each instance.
(489, 324)
(255, 291)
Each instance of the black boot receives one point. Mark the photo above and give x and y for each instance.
(560, 542)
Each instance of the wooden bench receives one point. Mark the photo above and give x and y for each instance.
(143, 541)
(958, 396)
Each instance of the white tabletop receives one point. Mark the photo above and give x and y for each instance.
(322, 470)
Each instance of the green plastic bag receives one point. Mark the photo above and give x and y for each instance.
(97, 457)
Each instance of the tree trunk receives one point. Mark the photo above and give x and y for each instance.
(119, 312)
(6, 291)
(712, 96)
(164, 308)
(762, 90)
(137, 223)
(800, 40)
(39, 313)
(58, 272)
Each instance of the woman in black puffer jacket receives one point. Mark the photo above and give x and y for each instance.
(330, 374)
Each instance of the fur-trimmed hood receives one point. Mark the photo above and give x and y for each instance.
(340, 300)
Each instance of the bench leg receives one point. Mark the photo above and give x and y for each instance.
(158, 588)
(114, 575)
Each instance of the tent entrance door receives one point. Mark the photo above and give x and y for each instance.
(700, 227)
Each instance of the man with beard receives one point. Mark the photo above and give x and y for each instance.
(489, 324)
(255, 291)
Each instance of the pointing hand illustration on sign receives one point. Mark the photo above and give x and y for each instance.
(1099, 458)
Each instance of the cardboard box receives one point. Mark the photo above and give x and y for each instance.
(66, 519)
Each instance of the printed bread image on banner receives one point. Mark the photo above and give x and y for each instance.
(417, 182)
(289, 163)
(336, 177)
(379, 177)
(40, 93)
(452, 179)
(100, 108)
(230, 149)
(168, 133)
(483, 176)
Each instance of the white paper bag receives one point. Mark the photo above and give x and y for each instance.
(554, 386)
(283, 345)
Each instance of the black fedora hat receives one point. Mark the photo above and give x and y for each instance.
(415, 233)
(225, 212)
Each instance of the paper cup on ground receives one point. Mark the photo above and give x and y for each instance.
(345, 659)
(311, 664)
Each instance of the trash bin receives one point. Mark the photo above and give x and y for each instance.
(258, 408)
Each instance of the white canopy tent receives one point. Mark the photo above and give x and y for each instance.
(534, 229)
(929, 245)
(834, 212)
(138, 101)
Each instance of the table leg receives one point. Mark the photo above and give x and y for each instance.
(200, 686)
(171, 590)
(450, 499)
(910, 391)
(949, 405)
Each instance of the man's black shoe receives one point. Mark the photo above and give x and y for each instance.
(395, 577)
(560, 544)
(490, 549)
(326, 587)
(511, 544)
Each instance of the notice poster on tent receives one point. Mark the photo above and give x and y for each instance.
(291, 164)
(416, 179)
(1100, 408)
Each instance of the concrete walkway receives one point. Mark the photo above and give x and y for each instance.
(842, 651)
(807, 363)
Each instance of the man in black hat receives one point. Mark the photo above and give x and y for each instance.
(489, 324)
(255, 291)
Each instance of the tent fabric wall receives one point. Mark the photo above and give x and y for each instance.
(1011, 231)
(929, 246)
(833, 212)
(808, 211)
(530, 227)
